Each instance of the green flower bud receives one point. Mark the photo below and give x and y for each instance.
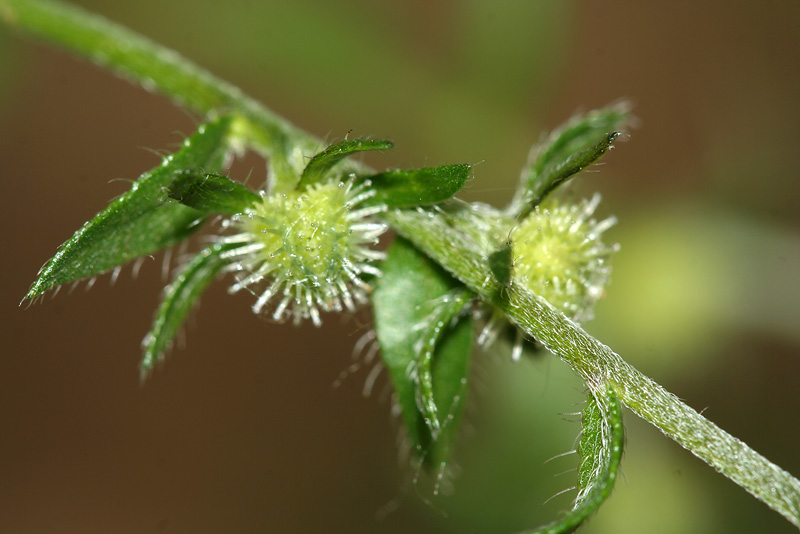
(558, 254)
(310, 249)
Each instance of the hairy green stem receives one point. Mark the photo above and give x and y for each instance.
(158, 68)
(598, 365)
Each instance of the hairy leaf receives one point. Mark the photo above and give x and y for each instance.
(501, 263)
(567, 151)
(141, 221)
(601, 450)
(422, 332)
(210, 193)
(178, 299)
(442, 313)
(418, 187)
(322, 162)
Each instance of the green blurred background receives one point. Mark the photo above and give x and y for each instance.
(243, 431)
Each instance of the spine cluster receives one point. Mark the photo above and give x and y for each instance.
(307, 250)
(559, 254)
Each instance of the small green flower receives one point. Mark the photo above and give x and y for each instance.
(558, 254)
(310, 249)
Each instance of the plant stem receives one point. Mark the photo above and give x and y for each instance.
(598, 365)
(159, 69)
(163, 70)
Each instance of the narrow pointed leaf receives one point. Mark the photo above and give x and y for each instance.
(445, 312)
(320, 164)
(178, 299)
(210, 193)
(405, 320)
(418, 187)
(567, 151)
(139, 222)
(601, 451)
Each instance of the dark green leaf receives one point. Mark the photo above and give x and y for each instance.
(601, 451)
(178, 299)
(567, 151)
(501, 263)
(210, 193)
(418, 187)
(442, 313)
(139, 222)
(413, 299)
(321, 163)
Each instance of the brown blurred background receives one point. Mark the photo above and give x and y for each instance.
(242, 430)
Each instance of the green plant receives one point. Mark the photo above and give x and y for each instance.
(477, 245)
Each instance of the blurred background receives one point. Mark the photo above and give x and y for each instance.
(242, 430)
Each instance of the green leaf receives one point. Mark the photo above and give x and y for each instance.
(501, 263)
(567, 151)
(442, 313)
(600, 447)
(321, 163)
(418, 187)
(423, 333)
(141, 221)
(210, 193)
(178, 299)
(601, 451)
